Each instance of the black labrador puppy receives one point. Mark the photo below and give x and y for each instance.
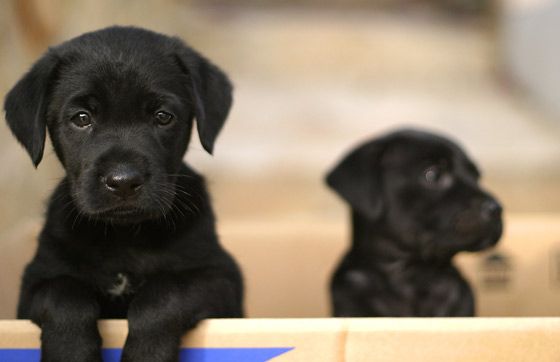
(415, 202)
(129, 231)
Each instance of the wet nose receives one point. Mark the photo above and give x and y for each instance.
(490, 210)
(124, 182)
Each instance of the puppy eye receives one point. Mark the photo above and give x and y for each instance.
(436, 177)
(163, 118)
(432, 174)
(81, 120)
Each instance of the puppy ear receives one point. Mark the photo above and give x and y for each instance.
(211, 93)
(357, 179)
(26, 106)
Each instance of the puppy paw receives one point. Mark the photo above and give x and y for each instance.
(70, 353)
(70, 347)
(151, 349)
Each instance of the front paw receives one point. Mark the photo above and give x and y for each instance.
(70, 348)
(70, 353)
(151, 349)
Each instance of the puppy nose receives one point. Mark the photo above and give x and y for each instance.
(124, 182)
(490, 210)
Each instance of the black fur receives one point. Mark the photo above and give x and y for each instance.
(129, 231)
(415, 203)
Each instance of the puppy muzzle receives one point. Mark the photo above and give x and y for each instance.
(481, 225)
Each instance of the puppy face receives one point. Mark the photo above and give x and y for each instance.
(424, 189)
(121, 135)
(119, 106)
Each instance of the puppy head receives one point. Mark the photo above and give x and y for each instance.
(119, 104)
(424, 189)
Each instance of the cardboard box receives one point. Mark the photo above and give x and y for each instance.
(287, 266)
(521, 277)
(332, 340)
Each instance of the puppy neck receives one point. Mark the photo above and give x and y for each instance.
(372, 240)
(375, 243)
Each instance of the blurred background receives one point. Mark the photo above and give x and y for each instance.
(312, 78)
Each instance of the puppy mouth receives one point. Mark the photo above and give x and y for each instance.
(123, 214)
(434, 247)
(488, 241)
(97, 203)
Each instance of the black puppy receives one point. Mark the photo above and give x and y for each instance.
(129, 231)
(415, 203)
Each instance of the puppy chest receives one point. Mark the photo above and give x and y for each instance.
(119, 284)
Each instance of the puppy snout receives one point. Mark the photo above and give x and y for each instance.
(124, 182)
(490, 210)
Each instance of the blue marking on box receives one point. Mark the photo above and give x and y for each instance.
(185, 355)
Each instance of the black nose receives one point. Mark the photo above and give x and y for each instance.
(490, 210)
(124, 182)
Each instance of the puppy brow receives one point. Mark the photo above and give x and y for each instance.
(446, 163)
(165, 97)
(471, 167)
(157, 100)
(83, 100)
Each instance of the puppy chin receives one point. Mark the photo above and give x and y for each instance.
(437, 255)
(122, 215)
(488, 240)
(484, 233)
(98, 208)
(434, 246)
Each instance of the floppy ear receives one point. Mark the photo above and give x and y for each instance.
(26, 106)
(211, 93)
(357, 179)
